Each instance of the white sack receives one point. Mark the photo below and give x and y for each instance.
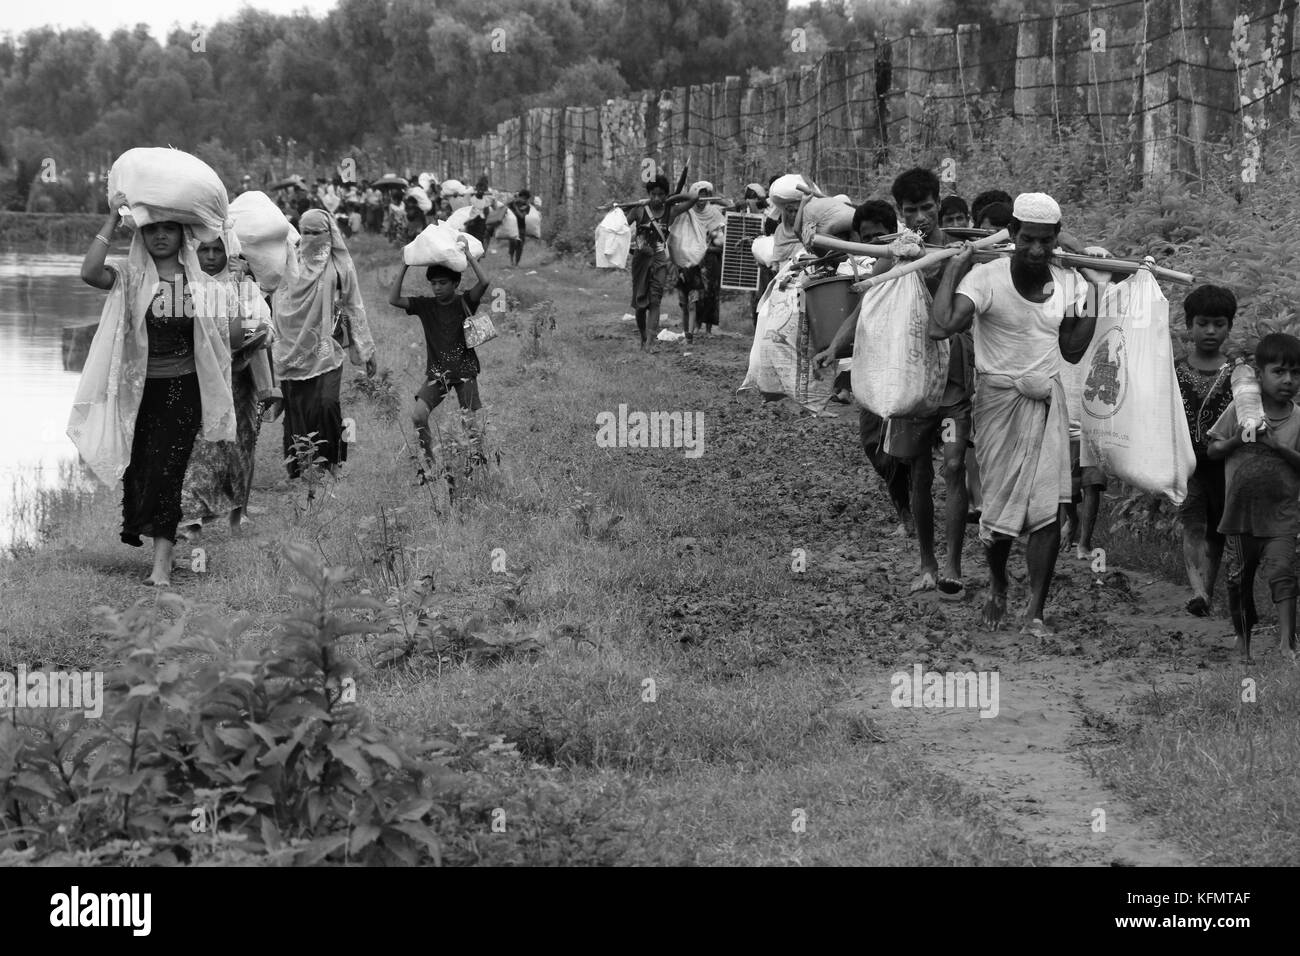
(898, 370)
(1133, 422)
(265, 236)
(168, 185)
(613, 240)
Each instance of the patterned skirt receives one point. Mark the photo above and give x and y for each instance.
(220, 473)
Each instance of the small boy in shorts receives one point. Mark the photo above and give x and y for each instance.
(450, 362)
(1086, 484)
(1261, 506)
(1205, 383)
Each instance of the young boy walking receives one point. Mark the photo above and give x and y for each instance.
(1261, 509)
(1205, 382)
(450, 362)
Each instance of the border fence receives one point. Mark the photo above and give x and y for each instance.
(1161, 86)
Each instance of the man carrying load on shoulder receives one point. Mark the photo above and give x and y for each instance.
(910, 440)
(1027, 314)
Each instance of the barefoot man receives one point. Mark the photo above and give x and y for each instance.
(1026, 317)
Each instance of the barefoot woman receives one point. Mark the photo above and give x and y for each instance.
(158, 371)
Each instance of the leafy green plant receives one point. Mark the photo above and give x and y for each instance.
(270, 752)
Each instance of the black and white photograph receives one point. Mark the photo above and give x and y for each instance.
(652, 434)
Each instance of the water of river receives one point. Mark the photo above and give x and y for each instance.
(40, 294)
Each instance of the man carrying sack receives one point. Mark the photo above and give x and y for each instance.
(1026, 313)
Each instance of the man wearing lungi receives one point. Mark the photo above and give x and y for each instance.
(1027, 314)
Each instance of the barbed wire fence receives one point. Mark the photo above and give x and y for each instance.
(1161, 89)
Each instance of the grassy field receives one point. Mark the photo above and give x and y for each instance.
(624, 625)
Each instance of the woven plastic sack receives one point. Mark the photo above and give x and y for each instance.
(1133, 422)
(460, 218)
(265, 236)
(533, 224)
(437, 245)
(687, 242)
(613, 240)
(780, 360)
(168, 185)
(898, 370)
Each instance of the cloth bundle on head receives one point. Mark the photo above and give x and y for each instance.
(452, 188)
(439, 245)
(1036, 207)
(266, 236)
(786, 189)
(421, 198)
(830, 216)
(758, 191)
(319, 274)
(104, 410)
(702, 186)
(169, 185)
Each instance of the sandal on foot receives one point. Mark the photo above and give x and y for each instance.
(950, 589)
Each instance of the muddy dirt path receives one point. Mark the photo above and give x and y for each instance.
(806, 483)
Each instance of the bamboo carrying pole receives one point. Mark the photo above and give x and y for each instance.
(1072, 259)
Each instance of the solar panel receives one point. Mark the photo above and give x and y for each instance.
(739, 270)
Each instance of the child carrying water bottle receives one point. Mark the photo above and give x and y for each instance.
(1261, 512)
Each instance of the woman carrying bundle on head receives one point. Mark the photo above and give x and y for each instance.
(318, 314)
(158, 371)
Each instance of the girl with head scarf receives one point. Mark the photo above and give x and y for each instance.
(220, 474)
(319, 280)
(157, 375)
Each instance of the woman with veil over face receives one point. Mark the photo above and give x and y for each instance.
(320, 282)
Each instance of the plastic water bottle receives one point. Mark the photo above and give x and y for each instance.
(1247, 397)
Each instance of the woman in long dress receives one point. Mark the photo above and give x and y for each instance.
(158, 375)
(220, 474)
(319, 280)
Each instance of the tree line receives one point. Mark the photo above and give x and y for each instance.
(256, 87)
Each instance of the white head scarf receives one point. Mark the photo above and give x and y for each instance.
(104, 410)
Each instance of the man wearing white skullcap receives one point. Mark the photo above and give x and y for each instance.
(1025, 312)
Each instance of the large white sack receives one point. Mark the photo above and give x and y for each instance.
(453, 187)
(437, 245)
(764, 251)
(898, 370)
(687, 241)
(533, 224)
(509, 228)
(460, 218)
(780, 360)
(168, 185)
(1133, 423)
(265, 236)
(613, 240)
